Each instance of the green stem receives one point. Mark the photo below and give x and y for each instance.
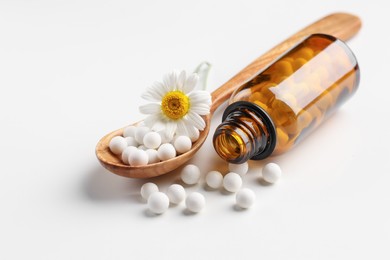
(203, 70)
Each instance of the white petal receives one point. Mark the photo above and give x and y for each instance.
(159, 88)
(181, 79)
(151, 108)
(170, 129)
(170, 81)
(150, 96)
(200, 97)
(201, 109)
(193, 133)
(149, 121)
(191, 82)
(158, 125)
(196, 120)
(181, 128)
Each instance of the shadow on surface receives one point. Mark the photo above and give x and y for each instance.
(101, 185)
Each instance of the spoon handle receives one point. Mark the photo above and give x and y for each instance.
(341, 25)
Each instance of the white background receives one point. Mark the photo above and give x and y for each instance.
(72, 71)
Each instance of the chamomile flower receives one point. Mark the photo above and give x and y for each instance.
(176, 107)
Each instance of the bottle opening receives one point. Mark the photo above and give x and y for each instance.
(247, 132)
(230, 146)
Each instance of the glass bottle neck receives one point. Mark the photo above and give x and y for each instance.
(247, 132)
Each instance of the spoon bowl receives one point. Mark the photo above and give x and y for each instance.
(114, 164)
(341, 25)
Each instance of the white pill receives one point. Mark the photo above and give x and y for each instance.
(166, 152)
(241, 169)
(182, 144)
(129, 131)
(140, 132)
(190, 174)
(142, 147)
(117, 144)
(176, 193)
(126, 153)
(245, 198)
(147, 189)
(138, 158)
(131, 141)
(271, 172)
(214, 179)
(152, 140)
(152, 155)
(158, 202)
(195, 202)
(232, 182)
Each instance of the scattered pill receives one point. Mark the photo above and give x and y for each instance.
(138, 158)
(126, 153)
(117, 144)
(140, 132)
(147, 189)
(129, 131)
(131, 141)
(190, 174)
(166, 152)
(182, 144)
(152, 156)
(158, 202)
(271, 172)
(176, 193)
(245, 198)
(232, 182)
(214, 179)
(195, 202)
(152, 140)
(241, 169)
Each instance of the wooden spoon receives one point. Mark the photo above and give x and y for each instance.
(341, 25)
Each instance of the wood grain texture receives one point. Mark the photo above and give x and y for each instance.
(341, 25)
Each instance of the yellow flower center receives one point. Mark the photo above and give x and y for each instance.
(175, 104)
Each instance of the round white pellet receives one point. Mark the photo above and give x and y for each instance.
(152, 155)
(245, 198)
(241, 169)
(232, 182)
(131, 141)
(271, 172)
(117, 144)
(166, 152)
(158, 202)
(214, 179)
(152, 140)
(147, 189)
(126, 153)
(142, 147)
(195, 202)
(138, 158)
(190, 174)
(176, 193)
(129, 131)
(140, 132)
(182, 144)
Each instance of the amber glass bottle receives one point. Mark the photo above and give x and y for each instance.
(283, 103)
